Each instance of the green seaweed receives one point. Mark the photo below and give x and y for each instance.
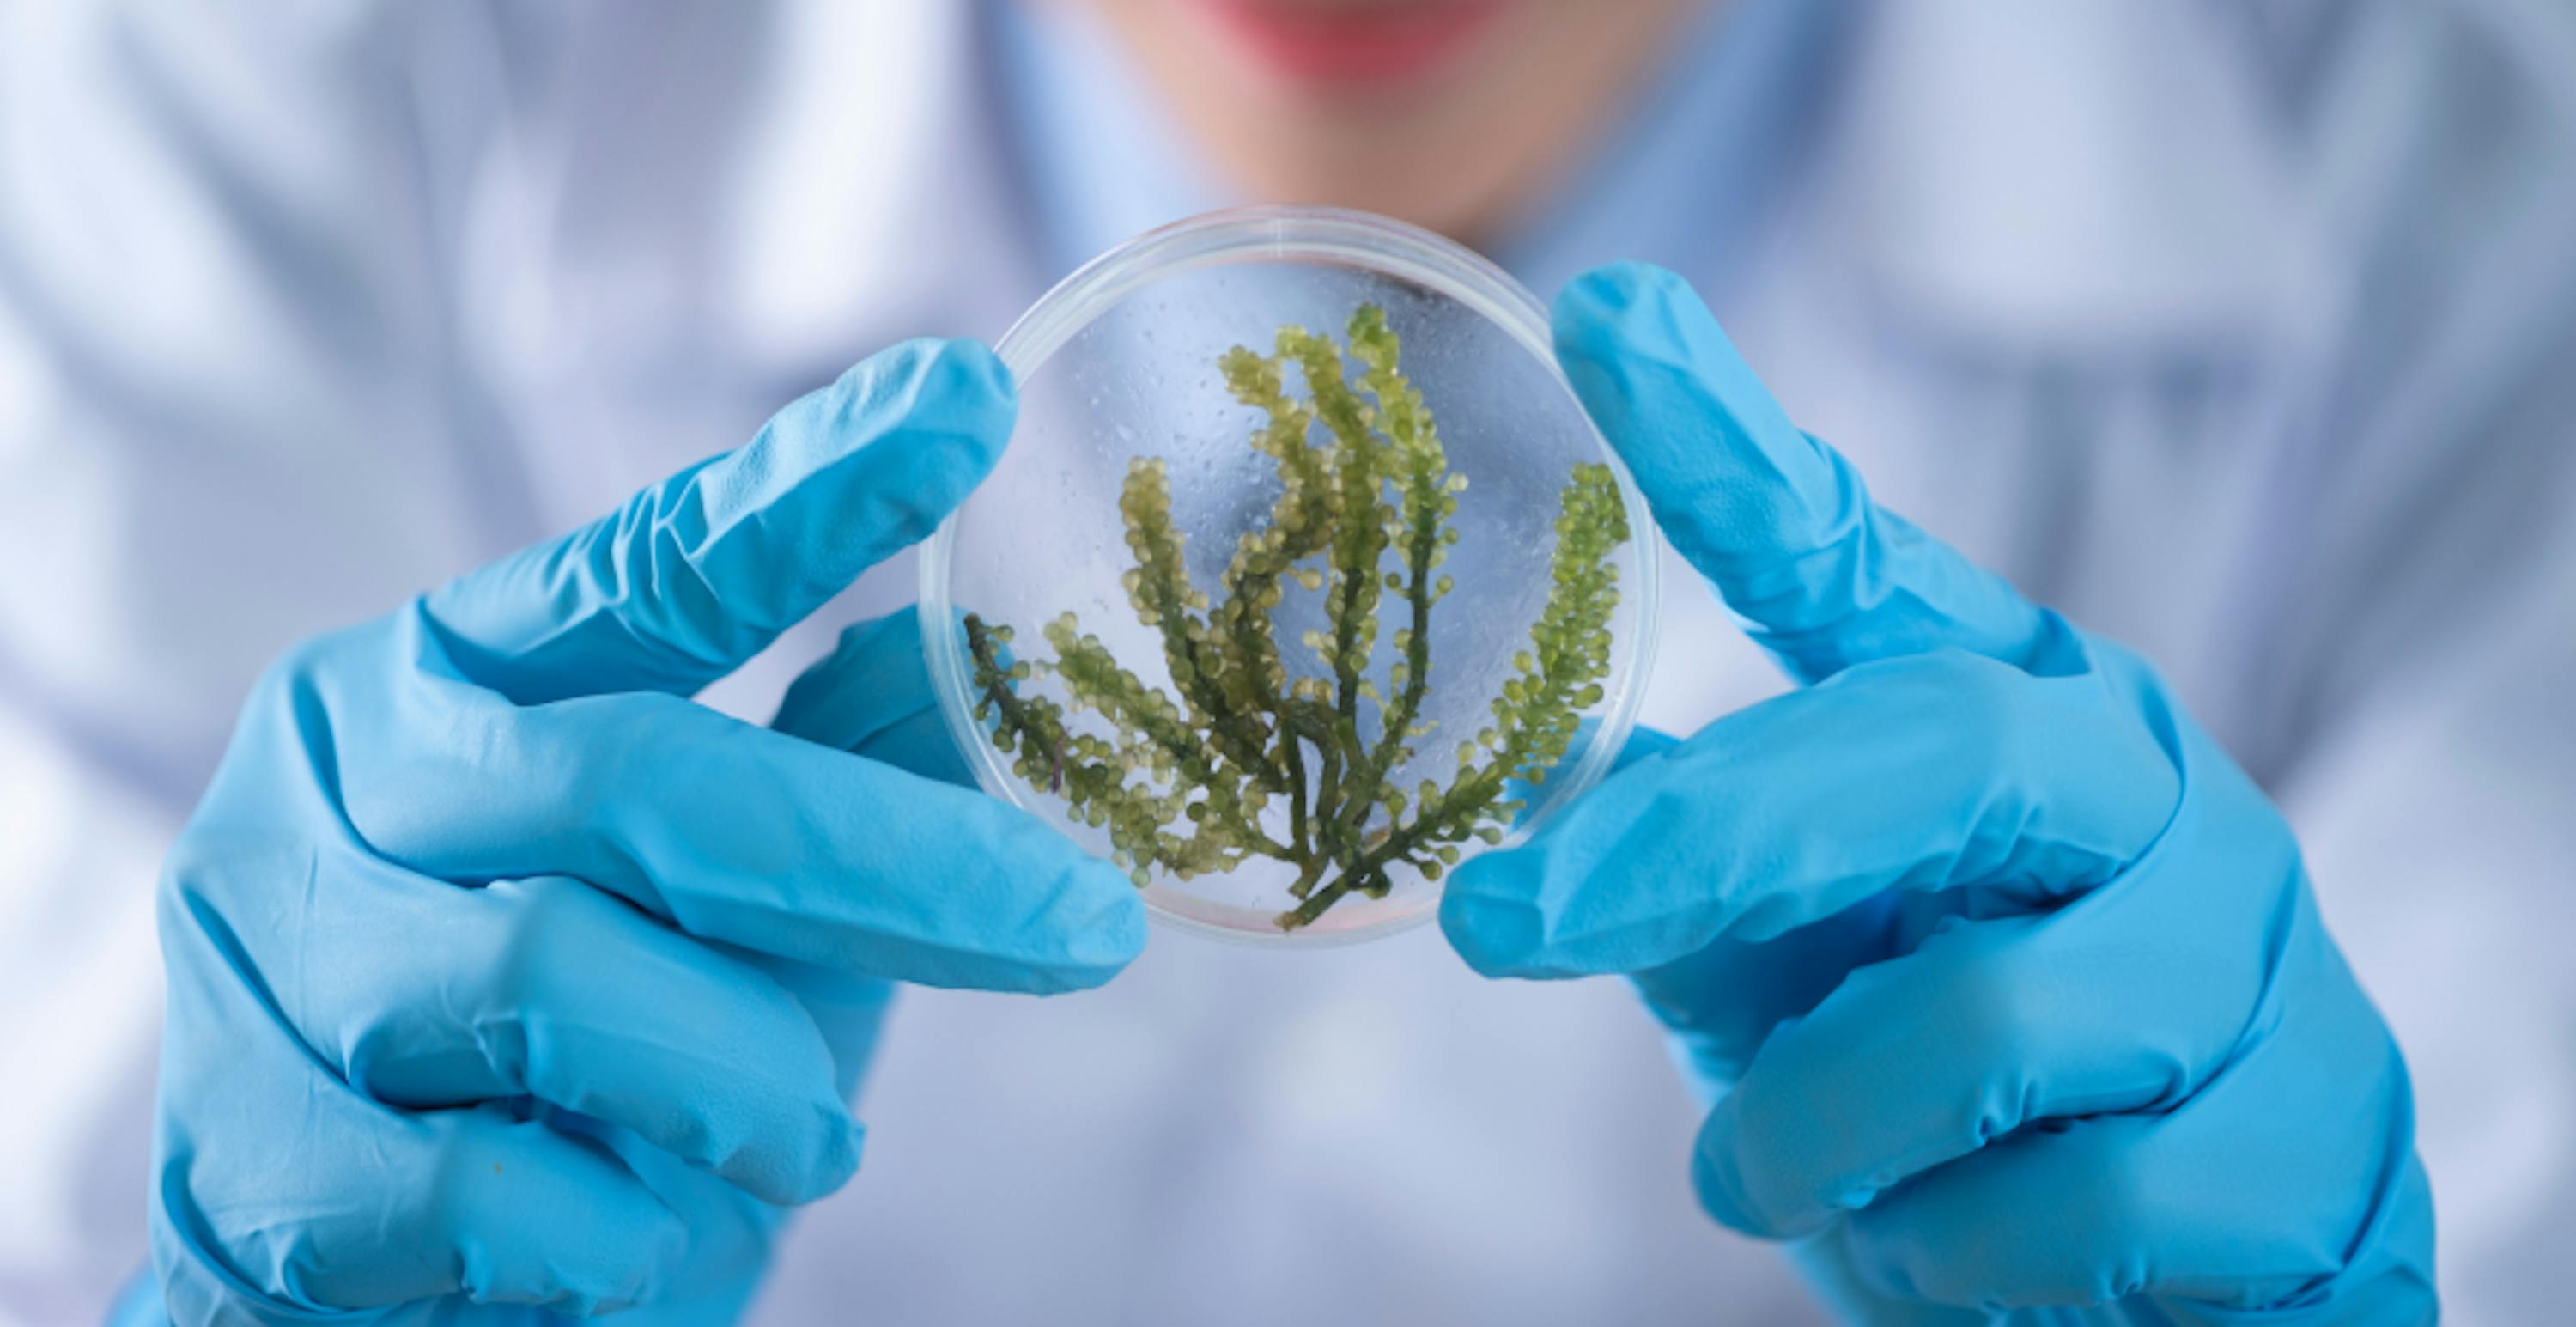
(1188, 780)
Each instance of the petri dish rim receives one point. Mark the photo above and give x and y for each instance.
(1272, 233)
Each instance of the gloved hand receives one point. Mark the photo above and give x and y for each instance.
(503, 978)
(2005, 983)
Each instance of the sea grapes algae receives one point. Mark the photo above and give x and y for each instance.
(1245, 757)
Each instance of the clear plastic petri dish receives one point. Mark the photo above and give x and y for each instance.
(1150, 646)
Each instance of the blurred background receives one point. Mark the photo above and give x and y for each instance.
(2242, 332)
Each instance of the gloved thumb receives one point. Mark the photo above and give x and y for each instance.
(1779, 523)
(699, 572)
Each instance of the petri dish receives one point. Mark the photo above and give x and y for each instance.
(1121, 368)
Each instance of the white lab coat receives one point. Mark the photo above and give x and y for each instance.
(2244, 333)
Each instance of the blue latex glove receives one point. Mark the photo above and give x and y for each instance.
(2005, 983)
(503, 978)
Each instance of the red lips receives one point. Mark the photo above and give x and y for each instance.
(1353, 43)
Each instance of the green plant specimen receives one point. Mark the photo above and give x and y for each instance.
(1248, 760)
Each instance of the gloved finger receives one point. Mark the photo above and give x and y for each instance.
(1780, 524)
(1981, 1031)
(733, 833)
(2226, 1197)
(549, 989)
(370, 1206)
(1722, 1002)
(872, 696)
(467, 1202)
(2110, 1208)
(1719, 1002)
(698, 573)
(849, 1007)
(1934, 772)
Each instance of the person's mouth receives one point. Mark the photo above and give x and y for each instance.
(1353, 45)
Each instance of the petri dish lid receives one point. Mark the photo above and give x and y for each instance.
(1119, 365)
